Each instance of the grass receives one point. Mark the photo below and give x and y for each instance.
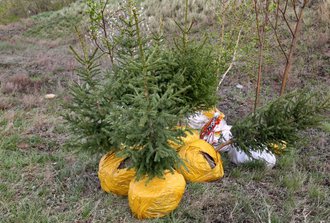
(42, 180)
(13, 10)
(46, 182)
(326, 126)
(54, 25)
(5, 46)
(202, 12)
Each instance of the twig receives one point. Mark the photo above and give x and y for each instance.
(285, 7)
(295, 8)
(95, 208)
(292, 48)
(256, 214)
(103, 19)
(305, 215)
(274, 27)
(283, 12)
(233, 60)
(110, 53)
(229, 142)
(231, 213)
(99, 46)
(261, 38)
(286, 21)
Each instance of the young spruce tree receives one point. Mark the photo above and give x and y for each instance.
(145, 112)
(134, 108)
(200, 63)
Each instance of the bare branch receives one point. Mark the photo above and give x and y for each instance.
(257, 19)
(292, 48)
(305, 3)
(229, 142)
(99, 46)
(233, 60)
(275, 27)
(279, 41)
(286, 6)
(103, 19)
(266, 12)
(294, 5)
(104, 28)
(261, 37)
(286, 20)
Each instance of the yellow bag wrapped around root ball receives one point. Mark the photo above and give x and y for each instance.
(156, 198)
(190, 137)
(113, 175)
(203, 163)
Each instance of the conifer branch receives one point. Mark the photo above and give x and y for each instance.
(280, 120)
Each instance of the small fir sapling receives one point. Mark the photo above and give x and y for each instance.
(145, 114)
(86, 112)
(280, 121)
(134, 107)
(200, 63)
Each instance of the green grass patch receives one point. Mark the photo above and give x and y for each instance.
(10, 142)
(53, 25)
(294, 181)
(6, 46)
(13, 10)
(326, 127)
(46, 182)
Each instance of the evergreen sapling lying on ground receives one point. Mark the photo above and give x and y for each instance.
(280, 121)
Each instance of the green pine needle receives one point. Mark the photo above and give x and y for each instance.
(281, 120)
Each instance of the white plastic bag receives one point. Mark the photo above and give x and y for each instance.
(239, 157)
(221, 134)
(197, 120)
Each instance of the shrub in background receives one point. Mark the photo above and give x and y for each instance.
(12, 10)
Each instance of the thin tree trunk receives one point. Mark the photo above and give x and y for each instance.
(293, 45)
(261, 38)
(257, 98)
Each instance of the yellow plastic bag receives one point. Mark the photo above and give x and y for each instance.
(189, 138)
(156, 198)
(202, 161)
(278, 148)
(210, 113)
(113, 177)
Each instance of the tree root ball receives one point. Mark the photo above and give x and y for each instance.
(157, 197)
(202, 162)
(113, 174)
